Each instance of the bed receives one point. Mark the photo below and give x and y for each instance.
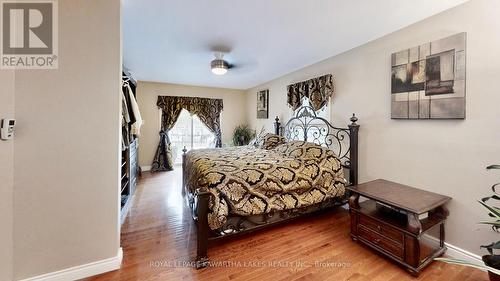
(237, 190)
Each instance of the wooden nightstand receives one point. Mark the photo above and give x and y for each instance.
(399, 221)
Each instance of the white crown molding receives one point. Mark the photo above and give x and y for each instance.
(82, 271)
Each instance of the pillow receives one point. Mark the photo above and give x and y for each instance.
(269, 141)
(254, 141)
(286, 148)
(303, 150)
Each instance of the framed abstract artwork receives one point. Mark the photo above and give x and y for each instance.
(263, 104)
(428, 81)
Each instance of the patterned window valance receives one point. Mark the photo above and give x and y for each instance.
(200, 106)
(318, 90)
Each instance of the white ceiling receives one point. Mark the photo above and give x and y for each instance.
(172, 40)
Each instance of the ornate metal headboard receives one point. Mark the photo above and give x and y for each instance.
(307, 126)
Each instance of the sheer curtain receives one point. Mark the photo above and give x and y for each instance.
(191, 133)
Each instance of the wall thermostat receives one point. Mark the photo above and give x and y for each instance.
(7, 129)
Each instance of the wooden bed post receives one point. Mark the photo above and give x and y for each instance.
(353, 130)
(202, 202)
(277, 125)
(203, 229)
(184, 150)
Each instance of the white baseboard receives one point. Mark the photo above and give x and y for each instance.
(82, 271)
(458, 253)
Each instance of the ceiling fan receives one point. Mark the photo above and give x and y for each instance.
(220, 66)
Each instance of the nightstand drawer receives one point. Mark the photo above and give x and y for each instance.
(381, 242)
(381, 229)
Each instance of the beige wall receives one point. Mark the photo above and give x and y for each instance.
(147, 94)
(6, 178)
(445, 156)
(66, 171)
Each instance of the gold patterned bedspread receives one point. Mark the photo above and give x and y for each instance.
(248, 181)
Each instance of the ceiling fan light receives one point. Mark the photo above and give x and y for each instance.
(219, 71)
(219, 67)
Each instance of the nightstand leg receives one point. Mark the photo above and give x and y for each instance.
(413, 272)
(353, 212)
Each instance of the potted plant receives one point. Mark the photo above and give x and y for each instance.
(491, 260)
(242, 135)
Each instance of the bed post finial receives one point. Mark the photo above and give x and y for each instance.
(354, 119)
(353, 144)
(277, 125)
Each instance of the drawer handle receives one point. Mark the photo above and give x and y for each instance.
(376, 240)
(379, 228)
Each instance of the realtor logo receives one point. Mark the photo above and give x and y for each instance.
(29, 34)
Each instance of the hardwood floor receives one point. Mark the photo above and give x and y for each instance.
(159, 231)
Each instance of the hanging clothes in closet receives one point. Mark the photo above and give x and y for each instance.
(125, 123)
(136, 126)
(131, 116)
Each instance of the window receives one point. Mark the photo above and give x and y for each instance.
(191, 133)
(316, 128)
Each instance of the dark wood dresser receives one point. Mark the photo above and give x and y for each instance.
(403, 223)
